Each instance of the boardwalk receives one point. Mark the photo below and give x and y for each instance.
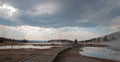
(47, 56)
(72, 55)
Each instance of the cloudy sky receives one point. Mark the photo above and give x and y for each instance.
(58, 19)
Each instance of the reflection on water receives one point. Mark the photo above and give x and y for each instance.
(25, 47)
(100, 52)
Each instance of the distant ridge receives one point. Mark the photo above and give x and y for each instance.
(60, 41)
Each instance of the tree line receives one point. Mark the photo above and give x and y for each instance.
(3, 39)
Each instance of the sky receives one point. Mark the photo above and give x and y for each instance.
(58, 19)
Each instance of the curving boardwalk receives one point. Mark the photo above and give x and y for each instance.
(62, 55)
(47, 56)
(72, 55)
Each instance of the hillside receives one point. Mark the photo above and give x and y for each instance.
(114, 41)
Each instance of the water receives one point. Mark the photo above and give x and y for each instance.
(42, 43)
(25, 47)
(101, 52)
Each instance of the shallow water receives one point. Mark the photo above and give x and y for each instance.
(101, 52)
(41, 43)
(25, 47)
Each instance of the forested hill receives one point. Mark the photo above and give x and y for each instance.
(3, 39)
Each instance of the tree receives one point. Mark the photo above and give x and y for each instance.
(25, 41)
(1, 40)
(105, 38)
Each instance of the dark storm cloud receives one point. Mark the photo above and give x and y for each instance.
(61, 13)
(74, 19)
